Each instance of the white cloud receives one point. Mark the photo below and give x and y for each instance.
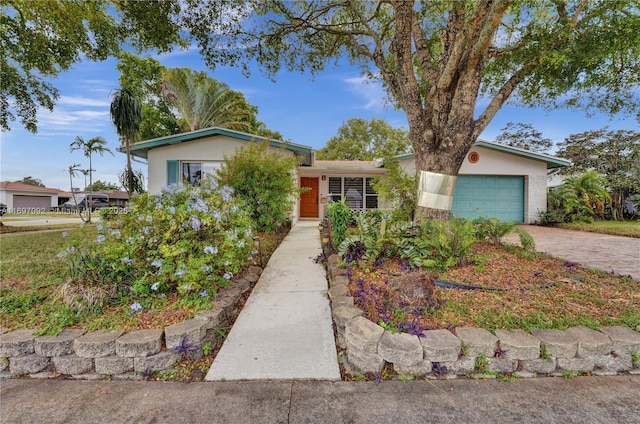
(82, 101)
(371, 91)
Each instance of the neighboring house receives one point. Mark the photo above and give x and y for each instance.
(116, 197)
(501, 181)
(28, 198)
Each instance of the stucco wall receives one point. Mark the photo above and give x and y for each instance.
(208, 149)
(492, 162)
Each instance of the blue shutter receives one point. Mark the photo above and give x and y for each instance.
(173, 167)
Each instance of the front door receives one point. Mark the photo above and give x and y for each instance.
(309, 199)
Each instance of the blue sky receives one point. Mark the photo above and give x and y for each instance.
(304, 110)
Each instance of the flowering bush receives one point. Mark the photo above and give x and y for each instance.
(187, 239)
(265, 181)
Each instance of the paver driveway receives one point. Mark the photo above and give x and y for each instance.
(600, 251)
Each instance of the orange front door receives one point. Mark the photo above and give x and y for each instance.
(309, 199)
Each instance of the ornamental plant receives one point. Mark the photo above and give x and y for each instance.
(186, 239)
(265, 181)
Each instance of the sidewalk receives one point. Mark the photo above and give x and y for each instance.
(535, 400)
(284, 330)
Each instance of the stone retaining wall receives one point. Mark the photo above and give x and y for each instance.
(476, 352)
(116, 354)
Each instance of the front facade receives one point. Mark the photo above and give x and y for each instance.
(494, 181)
(499, 181)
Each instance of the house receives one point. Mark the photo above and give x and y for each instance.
(495, 180)
(20, 197)
(117, 198)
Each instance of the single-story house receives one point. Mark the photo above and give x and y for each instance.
(117, 198)
(27, 198)
(495, 180)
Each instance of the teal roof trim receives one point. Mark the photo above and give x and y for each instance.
(551, 161)
(141, 148)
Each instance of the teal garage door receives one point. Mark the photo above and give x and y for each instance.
(490, 196)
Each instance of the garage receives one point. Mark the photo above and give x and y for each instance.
(493, 196)
(40, 203)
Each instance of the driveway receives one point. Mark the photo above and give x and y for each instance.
(617, 254)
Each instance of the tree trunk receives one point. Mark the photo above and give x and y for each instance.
(129, 170)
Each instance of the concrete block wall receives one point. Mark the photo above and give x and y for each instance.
(476, 352)
(115, 354)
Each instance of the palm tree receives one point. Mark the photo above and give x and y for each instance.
(89, 147)
(204, 102)
(73, 172)
(586, 193)
(126, 115)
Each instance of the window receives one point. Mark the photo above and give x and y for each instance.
(356, 191)
(194, 172)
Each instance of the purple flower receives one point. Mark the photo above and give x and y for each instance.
(156, 264)
(135, 307)
(155, 286)
(195, 223)
(203, 293)
(64, 234)
(101, 238)
(211, 249)
(228, 275)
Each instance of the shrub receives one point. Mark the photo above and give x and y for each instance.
(399, 188)
(265, 181)
(492, 229)
(186, 239)
(450, 242)
(339, 218)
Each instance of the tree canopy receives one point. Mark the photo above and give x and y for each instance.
(99, 185)
(437, 58)
(40, 39)
(31, 181)
(359, 139)
(524, 136)
(614, 154)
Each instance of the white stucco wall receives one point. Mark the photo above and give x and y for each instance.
(207, 149)
(493, 162)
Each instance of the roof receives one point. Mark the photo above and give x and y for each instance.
(551, 161)
(141, 149)
(346, 164)
(8, 185)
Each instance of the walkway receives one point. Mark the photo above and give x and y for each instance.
(284, 330)
(600, 251)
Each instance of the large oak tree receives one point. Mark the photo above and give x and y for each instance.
(438, 58)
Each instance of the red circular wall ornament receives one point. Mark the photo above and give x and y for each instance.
(474, 157)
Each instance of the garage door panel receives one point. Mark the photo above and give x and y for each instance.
(31, 202)
(501, 197)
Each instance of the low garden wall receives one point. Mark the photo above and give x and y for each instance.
(477, 352)
(115, 354)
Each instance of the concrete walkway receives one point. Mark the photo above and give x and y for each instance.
(284, 330)
(592, 250)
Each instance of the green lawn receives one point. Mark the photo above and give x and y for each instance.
(616, 228)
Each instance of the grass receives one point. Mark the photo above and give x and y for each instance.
(8, 229)
(31, 278)
(616, 228)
